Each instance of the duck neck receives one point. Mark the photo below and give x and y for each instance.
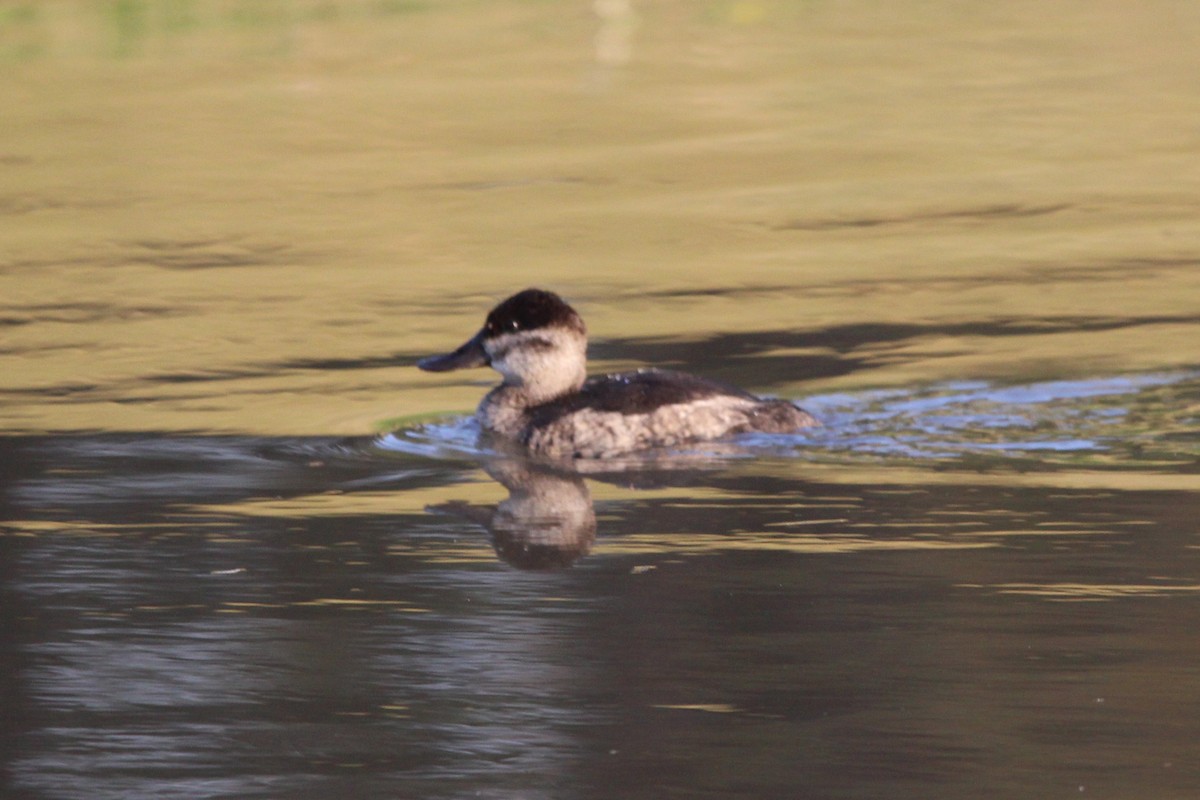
(548, 386)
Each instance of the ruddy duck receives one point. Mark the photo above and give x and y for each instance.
(547, 404)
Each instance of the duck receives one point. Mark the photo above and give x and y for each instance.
(546, 405)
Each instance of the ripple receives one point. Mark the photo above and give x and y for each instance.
(1130, 421)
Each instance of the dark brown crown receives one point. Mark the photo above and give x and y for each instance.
(530, 310)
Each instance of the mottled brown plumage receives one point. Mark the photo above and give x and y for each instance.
(547, 404)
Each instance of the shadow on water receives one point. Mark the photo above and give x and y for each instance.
(738, 358)
(936, 586)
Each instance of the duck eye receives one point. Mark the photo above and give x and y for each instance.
(513, 325)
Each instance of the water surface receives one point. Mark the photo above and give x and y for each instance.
(247, 550)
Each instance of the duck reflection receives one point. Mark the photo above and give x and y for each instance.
(547, 522)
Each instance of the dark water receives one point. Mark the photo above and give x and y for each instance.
(955, 592)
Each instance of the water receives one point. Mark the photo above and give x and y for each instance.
(247, 616)
(247, 550)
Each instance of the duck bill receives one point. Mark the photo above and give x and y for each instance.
(470, 354)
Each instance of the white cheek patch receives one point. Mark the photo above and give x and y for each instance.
(516, 355)
(498, 351)
(547, 361)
